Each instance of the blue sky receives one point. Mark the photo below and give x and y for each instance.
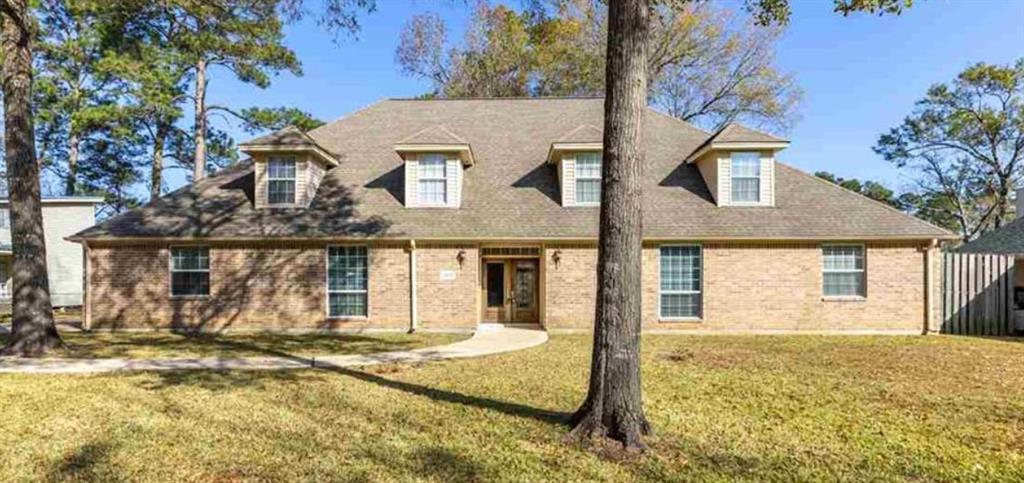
(861, 74)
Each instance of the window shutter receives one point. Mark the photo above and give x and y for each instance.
(767, 181)
(411, 182)
(725, 180)
(453, 182)
(568, 166)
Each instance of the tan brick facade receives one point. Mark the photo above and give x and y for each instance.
(251, 286)
(746, 286)
(767, 286)
(444, 303)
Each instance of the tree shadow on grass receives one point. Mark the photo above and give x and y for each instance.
(216, 380)
(89, 462)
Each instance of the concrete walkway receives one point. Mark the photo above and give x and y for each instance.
(488, 340)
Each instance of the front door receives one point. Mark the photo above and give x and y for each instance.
(495, 297)
(510, 291)
(524, 291)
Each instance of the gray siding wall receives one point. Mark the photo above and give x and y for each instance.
(63, 258)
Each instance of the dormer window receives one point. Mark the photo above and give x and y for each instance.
(588, 178)
(433, 181)
(281, 181)
(577, 157)
(746, 177)
(738, 166)
(288, 166)
(434, 159)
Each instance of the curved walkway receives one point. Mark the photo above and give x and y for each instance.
(487, 340)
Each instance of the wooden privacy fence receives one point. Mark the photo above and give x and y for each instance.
(977, 294)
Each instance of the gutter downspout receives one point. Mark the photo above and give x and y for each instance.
(929, 295)
(413, 317)
(87, 288)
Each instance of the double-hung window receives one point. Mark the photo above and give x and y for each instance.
(5, 219)
(588, 178)
(843, 271)
(281, 181)
(190, 271)
(433, 182)
(346, 281)
(746, 177)
(680, 290)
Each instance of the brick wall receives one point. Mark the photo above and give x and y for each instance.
(448, 303)
(570, 286)
(757, 286)
(745, 286)
(273, 286)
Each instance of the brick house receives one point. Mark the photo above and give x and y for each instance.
(443, 214)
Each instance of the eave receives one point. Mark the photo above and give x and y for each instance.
(316, 151)
(558, 149)
(464, 151)
(737, 146)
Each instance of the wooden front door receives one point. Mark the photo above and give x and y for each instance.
(510, 291)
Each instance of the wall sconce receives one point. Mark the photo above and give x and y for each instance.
(556, 257)
(461, 257)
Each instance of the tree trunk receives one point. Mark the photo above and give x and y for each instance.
(33, 331)
(614, 408)
(200, 123)
(156, 179)
(72, 177)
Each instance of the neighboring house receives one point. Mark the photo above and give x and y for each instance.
(1008, 240)
(62, 217)
(448, 213)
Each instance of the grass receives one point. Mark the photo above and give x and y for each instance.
(162, 345)
(724, 408)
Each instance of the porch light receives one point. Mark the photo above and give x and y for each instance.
(461, 257)
(556, 257)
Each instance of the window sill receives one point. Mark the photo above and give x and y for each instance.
(189, 297)
(844, 298)
(678, 320)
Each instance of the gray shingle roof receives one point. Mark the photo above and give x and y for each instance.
(432, 135)
(583, 134)
(287, 136)
(510, 192)
(1008, 240)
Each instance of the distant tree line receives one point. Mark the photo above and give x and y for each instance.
(115, 80)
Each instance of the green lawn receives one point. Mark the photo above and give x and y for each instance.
(724, 408)
(159, 345)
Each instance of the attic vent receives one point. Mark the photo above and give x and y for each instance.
(511, 252)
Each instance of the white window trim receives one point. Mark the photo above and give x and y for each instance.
(577, 178)
(171, 271)
(327, 285)
(700, 291)
(294, 180)
(863, 272)
(420, 178)
(733, 178)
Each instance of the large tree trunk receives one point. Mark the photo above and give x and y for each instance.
(33, 331)
(200, 123)
(614, 408)
(70, 183)
(156, 179)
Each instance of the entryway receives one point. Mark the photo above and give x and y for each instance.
(509, 289)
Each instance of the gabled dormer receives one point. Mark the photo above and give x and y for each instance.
(738, 165)
(288, 167)
(577, 156)
(434, 160)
